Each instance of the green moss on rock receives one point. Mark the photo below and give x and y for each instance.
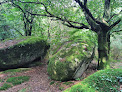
(101, 81)
(23, 52)
(64, 64)
(59, 71)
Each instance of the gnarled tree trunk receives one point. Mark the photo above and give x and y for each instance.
(103, 49)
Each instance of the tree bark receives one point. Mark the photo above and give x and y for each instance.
(103, 49)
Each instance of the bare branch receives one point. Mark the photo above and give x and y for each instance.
(78, 27)
(114, 31)
(114, 24)
(117, 31)
(19, 32)
(114, 15)
(65, 20)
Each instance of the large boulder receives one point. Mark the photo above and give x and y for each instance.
(70, 62)
(18, 52)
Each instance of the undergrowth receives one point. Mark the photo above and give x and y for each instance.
(16, 70)
(101, 81)
(5, 86)
(18, 80)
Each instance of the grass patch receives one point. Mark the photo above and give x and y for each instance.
(5, 86)
(101, 81)
(52, 82)
(22, 90)
(67, 83)
(61, 88)
(18, 80)
(16, 70)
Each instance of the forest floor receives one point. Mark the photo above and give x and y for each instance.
(40, 81)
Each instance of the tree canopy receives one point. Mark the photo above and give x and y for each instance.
(102, 17)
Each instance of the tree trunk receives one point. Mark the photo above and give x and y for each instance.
(103, 49)
(28, 29)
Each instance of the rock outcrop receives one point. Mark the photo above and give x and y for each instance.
(70, 61)
(21, 51)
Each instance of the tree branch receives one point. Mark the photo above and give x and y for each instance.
(117, 31)
(85, 2)
(78, 27)
(3, 2)
(85, 9)
(19, 32)
(58, 18)
(107, 9)
(15, 5)
(114, 24)
(113, 16)
(65, 20)
(94, 23)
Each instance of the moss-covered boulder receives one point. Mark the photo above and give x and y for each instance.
(71, 60)
(18, 52)
(101, 81)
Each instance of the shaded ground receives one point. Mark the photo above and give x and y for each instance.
(116, 64)
(40, 81)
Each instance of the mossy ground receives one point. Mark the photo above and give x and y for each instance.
(17, 80)
(12, 81)
(15, 70)
(5, 86)
(9, 81)
(101, 81)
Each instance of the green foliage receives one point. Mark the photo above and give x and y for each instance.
(116, 47)
(67, 83)
(61, 88)
(22, 90)
(8, 18)
(101, 81)
(52, 82)
(18, 80)
(5, 86)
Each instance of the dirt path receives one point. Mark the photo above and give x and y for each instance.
(40, 81)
